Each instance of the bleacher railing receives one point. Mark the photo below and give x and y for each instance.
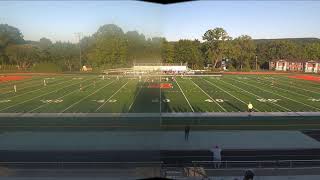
(257, 164)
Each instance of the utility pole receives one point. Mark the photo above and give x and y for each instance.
(79, 34)
(256, 63)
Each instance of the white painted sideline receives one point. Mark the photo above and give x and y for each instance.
(183, 114)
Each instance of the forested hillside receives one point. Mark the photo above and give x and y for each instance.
(111, 47)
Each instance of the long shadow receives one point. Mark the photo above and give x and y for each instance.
(232, 105)
(147, 97)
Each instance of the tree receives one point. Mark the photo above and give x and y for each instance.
(187, 51)
(110, 47)
(244, 51)
(45, 45)
(9, 35)
(217, 40)
(167, 52)
(66, 54)
(23, 55)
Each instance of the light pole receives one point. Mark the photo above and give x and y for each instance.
(79, 34)
(256, 63)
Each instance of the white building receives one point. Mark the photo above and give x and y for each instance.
(312, 67)
(160, 67)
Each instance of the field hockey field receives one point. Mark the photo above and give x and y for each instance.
(208, 96)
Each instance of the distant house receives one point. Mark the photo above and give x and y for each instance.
(312, 67)
(86, 69)
(295, 65)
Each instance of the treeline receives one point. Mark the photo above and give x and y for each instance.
(111, 47)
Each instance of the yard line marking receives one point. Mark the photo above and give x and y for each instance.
(134, 99)
(228, 93)
(11, 83)
(284, 97)
(291, 87)
(254, 94)
(111, 96)
(86, 96)
(208, 96)
(76, 90)
(184, 96)
(18, 95)
(300, 88)
(37, 96)
(33, 82)
(300, 80)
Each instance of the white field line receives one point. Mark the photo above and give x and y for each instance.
(287, 90)
(209, 96)
(35, 89)
(283, 96)
(301, 80)
(76, 90)
(86, 97)
(111, 96)
(33, 85)
(288, 85)
(38, 96)
(11, 83)
(134, 99)
(254, 94)
(184, 96)
(228, 93)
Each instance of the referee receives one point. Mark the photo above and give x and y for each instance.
(250, 107)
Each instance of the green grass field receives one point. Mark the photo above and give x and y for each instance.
(185, 96)
(229, 93)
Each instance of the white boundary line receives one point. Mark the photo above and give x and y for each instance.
(18, 95)
(76, 90)
(285, 78)
(288, 90)
(208, 96)
(291, 86)
(254, 94)
(18, 82)
(227, 93)
(184, 96)
(37, 96)
(284, 97)
(86, 96)
(111, 96)
(134, 99)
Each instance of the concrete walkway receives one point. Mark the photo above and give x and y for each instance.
(155, 140)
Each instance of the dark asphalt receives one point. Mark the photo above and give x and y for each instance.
(168, 157)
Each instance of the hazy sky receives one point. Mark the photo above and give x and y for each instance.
(59, 20)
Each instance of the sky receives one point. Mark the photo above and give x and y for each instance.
(60, 20)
